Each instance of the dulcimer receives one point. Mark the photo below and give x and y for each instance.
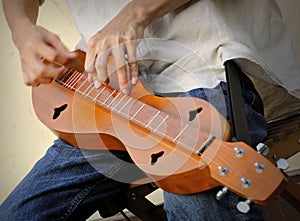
(182, 144)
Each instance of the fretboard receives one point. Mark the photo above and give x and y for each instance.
(131, 109)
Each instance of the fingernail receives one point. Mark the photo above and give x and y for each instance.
(73, 54)
(97, 83)
(125, 91)
(90, 77)
(134, 80)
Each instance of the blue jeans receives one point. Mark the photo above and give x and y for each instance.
(204, 206)
(70, 184)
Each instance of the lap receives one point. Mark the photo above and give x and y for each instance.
(68, 182)
(204, 206)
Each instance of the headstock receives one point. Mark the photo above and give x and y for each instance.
(242, 170)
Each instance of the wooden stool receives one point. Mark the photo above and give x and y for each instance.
(134, 200)
(284, 141)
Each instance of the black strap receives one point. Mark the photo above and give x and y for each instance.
(235, 101)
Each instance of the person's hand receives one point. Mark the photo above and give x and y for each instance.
(37, 45)
(118, 39)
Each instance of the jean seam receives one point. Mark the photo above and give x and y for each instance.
(78, 199)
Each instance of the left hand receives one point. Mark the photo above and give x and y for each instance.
(118, 39)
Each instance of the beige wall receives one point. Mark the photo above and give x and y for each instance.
(23, 138)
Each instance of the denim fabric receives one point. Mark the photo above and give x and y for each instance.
(204, 206)
(64, 186)
(71, 184)
(252, 105)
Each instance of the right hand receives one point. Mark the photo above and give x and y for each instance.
(36, 45)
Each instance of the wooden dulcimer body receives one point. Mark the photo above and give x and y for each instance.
(180, 143)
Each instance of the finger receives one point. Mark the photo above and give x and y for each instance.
(132, 62)
(101, 68)
(90, 57)
(32, 67)
(92, 73)
(41, 73)
(33, 80)
(90, 77)
(51, 73)
(62, 52)
(54, 50)
(121, 69)
(93, 78)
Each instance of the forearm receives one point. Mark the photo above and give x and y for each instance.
(150, 10)
(35, 43)
(20, 14)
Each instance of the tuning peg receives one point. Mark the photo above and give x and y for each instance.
(239, 152)
(259, 167)
(221, 193)
(222, 170)
(282, 164)
(245, 182)
(262, 149)
(244, 206)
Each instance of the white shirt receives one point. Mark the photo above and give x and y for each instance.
(186, 48)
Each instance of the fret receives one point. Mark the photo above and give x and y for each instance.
(60, 78)
(79, 88)
(156, 121)
(100, 92)
(63, 77)
(125, 105)
(103, 103)
(159, 125)
(106, 97)
(114, 99)
(92, 88)
(181, 132)
(88, 88)
(149, 117)
(167, 126)
(62, 83)
(137, 112)
(114, 108)
(69, 77)
(191, 139)
(76, 79)
(153, 119)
